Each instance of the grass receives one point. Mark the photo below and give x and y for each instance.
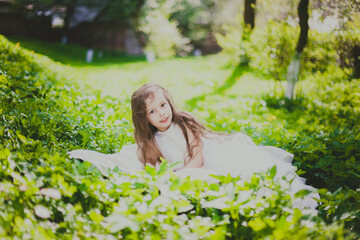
(188, 79)
(70, 54)
(219, 93)
(224, 96)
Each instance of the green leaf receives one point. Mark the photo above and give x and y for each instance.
(273, 171)
(96, 217)
(257, 224)
(302, 193)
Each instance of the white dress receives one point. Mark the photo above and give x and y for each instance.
(235, 154)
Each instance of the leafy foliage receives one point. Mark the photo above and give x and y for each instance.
(347, 39)
(163, 36)
(320, 128)
(46, 195)
(272, 48)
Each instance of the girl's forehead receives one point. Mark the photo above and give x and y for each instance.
(157, 94)
(154, 99)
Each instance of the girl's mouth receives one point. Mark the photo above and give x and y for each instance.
(165, 120)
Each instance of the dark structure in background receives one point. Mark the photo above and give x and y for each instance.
(110, 36)
(13, 23)
(105, 36)
(85, 25)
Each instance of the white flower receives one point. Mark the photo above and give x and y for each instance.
(219, 203)
(122, 179)
(244, 196)
(183, 217)
(23, 187)
(147, 198)
(118, 222)
(42, 211)
(162, 217)
(143, 208)
(122, 205)
(210, 193)
(51, 192)
(185, 208)
(160, 201)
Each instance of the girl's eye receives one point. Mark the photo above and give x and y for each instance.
(163, 104)
(151, 112)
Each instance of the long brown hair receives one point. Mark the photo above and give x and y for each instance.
(144, 132)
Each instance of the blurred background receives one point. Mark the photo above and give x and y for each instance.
(175, 27)
(279, 39)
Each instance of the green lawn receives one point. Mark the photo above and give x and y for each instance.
(224, 96)
(118, 75)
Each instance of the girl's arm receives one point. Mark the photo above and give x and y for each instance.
(197, 160)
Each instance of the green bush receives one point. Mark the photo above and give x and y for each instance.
(320, 127)
(232, 41)
(45, 195)
(42, 118)
(163, 36)
(327, 146)
(347, 39)
(319, 52)
(271, 49)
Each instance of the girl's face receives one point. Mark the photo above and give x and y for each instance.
(158, 111)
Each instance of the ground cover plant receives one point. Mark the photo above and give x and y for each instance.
(46, 195)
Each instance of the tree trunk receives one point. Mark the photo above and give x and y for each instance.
(70, 10)
(249, 14)
(293, 75)
(294, 67)
(304, 26)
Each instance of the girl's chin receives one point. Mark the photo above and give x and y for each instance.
(164, 126)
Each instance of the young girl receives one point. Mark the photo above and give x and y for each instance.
(161, 130)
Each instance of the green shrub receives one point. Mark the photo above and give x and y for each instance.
(326, 146)
(45, 195)
(271, 49)
(232, 42)
(321, 129)
(163, 36)
(319, 52)
(346, 40)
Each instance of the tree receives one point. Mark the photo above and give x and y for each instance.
(197, 20)
(294, 67)
(347, 40)
(163, 36)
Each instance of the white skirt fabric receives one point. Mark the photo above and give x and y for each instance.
(239, 155)
(235, 155)
(126, 160)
